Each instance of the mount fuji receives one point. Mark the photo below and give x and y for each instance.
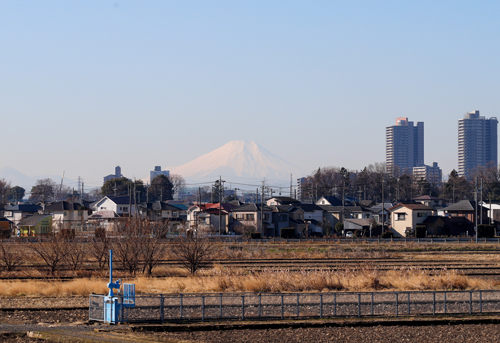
(238, 161)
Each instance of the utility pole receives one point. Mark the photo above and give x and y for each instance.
(481, 209)
(383, 206)
(475, 211)
(221, 186)
(291, 178)
(262, 210)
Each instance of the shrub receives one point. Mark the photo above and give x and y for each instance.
(485, 231)
(420, 231)
(288, 232)
(387, 234)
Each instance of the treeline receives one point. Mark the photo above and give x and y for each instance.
(369, 183)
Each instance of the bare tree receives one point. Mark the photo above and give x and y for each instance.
(194, 251)
(4, 192)
(52, 251)
(178, 183)
(99, 249)
(245, 230)
(10, 256)
(76, 252)
(152, 248)
(128, 247)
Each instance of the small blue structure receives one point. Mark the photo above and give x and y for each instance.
(113, 304)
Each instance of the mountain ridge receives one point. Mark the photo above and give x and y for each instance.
(240, 160)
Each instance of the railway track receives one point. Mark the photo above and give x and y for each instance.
(472, 268)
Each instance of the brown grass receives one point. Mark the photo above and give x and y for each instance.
(224, 280)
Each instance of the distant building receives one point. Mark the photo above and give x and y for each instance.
(432, 174)
(116, 175)
(158, 171)
(477, 142)
(300, 189)
(404, 145)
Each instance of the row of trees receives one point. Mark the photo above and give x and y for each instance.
(162, 188)
(47, 190)
(401, 186)
(139, 248)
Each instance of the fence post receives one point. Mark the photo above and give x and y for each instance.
(480, 301)
(220, 306)
(122, 309)
(433, 303)
(470, 302)
(242, 307)
(162, 308)
(298, 305)
(202, 308)
(282, 309)
(359, 305)
(372, 305)
(321, 305)
(181, 304)
(408, 303)
(397, 305)
(444, 302)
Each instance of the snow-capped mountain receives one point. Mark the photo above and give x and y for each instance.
(238, 161)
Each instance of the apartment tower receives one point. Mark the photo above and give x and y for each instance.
(404, 146)
(477, 142)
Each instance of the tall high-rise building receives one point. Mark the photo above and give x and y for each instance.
(158, 171)
(404, 145)
(477, 142)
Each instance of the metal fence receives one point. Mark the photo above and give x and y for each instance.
(255, 306)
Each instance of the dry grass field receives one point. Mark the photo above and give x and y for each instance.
(277, 267)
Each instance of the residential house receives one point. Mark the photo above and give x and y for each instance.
(405, 217)
(105, 219)
(66, 214)
(122, 205)
(430, 201)
(362, 227)
(282, 200)
(280, 218)
(296, 220)
(381, 212)
(257, 215)
(15, 213)
(467, 209)
(35, 225)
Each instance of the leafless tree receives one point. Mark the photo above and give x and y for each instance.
(128, 246)
(153, 250)
(52, 251)
(4, 189)
(194, 251)
(99, 249)
(76, 253)
(178, 183)
(10, 256)
(245, 230)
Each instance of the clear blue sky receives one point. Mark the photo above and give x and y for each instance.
(87, 85)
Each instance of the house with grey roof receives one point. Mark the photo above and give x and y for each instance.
(15, 213)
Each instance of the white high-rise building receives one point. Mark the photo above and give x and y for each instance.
(477, 142)
(404, 145)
